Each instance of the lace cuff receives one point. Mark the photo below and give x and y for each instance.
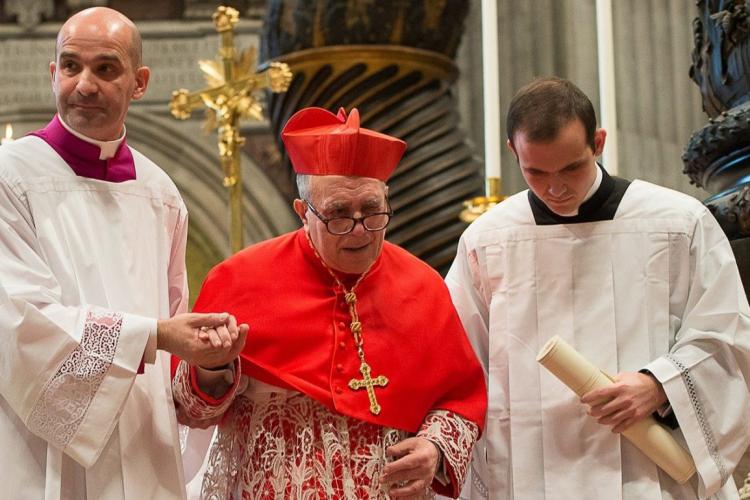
(195, 405)
(455, 436)
(79, 406)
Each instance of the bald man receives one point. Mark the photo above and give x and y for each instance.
(93, 288)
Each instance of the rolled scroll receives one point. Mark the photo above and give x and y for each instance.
(647, 435)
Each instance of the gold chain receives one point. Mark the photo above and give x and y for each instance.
(367, 382)
(351, 300)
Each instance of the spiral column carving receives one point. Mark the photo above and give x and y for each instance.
(394, 62)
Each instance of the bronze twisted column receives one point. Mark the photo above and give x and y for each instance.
(394, 61)
(717, 156)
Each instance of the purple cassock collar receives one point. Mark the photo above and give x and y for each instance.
(83, 157)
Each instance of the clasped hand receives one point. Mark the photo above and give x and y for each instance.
(207, 340)
(411, 474)
(632, 397)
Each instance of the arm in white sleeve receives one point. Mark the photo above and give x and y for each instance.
(705, 374)
(471, 297)
(65, 370)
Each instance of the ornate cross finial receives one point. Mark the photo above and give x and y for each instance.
(225, 18)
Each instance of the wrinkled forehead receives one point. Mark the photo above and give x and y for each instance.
(334, 188)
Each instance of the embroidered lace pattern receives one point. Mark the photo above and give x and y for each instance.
(281, 445)
(286, 445)
(191, 408)
(66, 397)
(477, 483)
(455, 437)
(708, 435)
(290, 446)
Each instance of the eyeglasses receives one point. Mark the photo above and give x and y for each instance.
(345, 225)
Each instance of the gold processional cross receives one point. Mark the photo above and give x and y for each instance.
(228, 99)
(369, 384)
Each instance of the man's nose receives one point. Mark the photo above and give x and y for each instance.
(359, 227)
(557, 187)
(86, 83)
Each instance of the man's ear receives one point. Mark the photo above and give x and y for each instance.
(52, 70)
(512, 149)
(300, 208)
(142, 76)
(600, 136)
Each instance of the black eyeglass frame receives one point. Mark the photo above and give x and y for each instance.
(355, 220)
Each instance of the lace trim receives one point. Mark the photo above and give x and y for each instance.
(708, 435)
(287, 445)
(455, 436)
(67, 396)
(477, 483)
(192, 409)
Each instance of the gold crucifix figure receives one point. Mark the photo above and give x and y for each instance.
(229, 98)
(369, 384)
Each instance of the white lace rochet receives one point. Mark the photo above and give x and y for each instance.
(273, 443)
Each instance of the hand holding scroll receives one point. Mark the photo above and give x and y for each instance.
(583, 378)
(631, 398)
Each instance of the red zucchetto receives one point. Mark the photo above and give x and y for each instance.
(321, 143)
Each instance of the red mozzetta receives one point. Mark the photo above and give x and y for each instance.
(300, 338)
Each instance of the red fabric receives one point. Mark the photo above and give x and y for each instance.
(321, 143)
(174, 362)
(299, 336)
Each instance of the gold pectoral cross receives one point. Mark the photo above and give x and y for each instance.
(369, 384)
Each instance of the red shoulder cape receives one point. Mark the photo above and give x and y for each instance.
(299, 336)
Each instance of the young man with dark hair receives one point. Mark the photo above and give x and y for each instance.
(640, 279)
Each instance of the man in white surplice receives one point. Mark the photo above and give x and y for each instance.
(92, 243)
(640, 279)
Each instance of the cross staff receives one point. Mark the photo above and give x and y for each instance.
(227, 100)
(369, 384)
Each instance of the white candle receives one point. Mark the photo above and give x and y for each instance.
(492, 140)
(8, 134)
(608, 103)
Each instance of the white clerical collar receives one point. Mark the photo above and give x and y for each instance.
(593, 189)
(595, 186)
(107, 149)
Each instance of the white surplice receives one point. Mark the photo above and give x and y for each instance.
(657, 288)
(86, 268)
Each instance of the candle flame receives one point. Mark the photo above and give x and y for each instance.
(8, 131)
